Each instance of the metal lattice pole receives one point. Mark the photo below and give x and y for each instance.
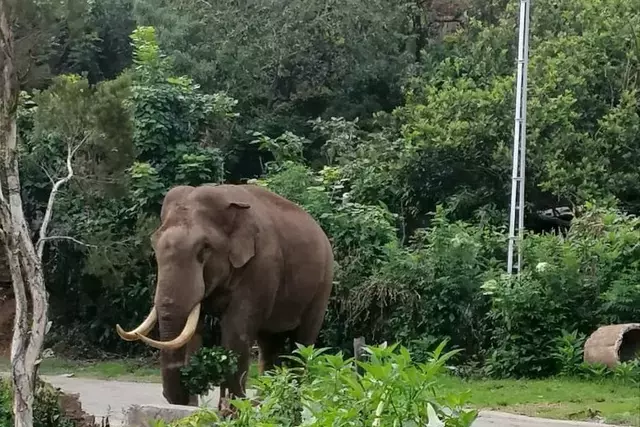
(516, 217)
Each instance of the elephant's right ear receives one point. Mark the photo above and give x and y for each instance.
(242, 238)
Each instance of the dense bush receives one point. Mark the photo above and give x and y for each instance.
(326, 390)
(577, 282)
(47, 410)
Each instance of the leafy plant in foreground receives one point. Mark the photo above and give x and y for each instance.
(323, 389)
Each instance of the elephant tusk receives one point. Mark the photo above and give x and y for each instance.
(144, 328)
(180, 340)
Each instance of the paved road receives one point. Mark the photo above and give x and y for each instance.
(112, 398)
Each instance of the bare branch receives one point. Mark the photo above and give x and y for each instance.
(54, 192)
(47, 173)
(73, 239)
(73, 152)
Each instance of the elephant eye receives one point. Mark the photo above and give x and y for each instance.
(203, 252)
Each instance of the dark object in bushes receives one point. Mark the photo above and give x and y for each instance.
(612, 344)
(207, 368)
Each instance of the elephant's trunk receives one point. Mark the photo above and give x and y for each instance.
(177, 312)
(182, 339)
(179, 338)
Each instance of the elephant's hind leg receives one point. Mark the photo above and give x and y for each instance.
(307, 333)
(271, 347)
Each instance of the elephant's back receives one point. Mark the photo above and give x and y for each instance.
(292, 222)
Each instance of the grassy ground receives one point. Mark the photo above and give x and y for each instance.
(564, 399)
(123, 370)
(553, 398)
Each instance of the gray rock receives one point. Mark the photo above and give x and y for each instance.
(140, 415)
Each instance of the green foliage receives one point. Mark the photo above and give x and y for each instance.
(292, 57)
(207, 368)
(409, 184)
(569, 352)
(570, 283)
(624, 372)
(450, 143)
(6, 403)
(47, 411)
(175, 123)
(326, 390)
(82, 37)
(362, 235)
(286, 147)
(135, 137)
(569, 355)
(431, 288)
(628, 372)
(288, 64)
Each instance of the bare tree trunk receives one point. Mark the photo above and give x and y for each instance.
(24, 263)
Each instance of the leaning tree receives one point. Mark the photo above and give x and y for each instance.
(21, 32)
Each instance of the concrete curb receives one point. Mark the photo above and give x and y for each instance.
(140, 415)
(502, 418)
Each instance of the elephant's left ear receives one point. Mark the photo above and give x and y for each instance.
(242, 239)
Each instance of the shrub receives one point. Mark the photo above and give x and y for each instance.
(431, 290)
(325, 390)
(208, 367)
(623, 372)
(6, 402)
(47, 411)
(577, 282)
(569, 352)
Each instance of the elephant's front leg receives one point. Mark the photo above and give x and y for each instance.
(237, 336)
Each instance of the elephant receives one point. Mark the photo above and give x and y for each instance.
(257, 261)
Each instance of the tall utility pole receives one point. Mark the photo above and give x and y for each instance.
(516, 217)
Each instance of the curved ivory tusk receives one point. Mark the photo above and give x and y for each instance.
(144, 328)
(180, 340)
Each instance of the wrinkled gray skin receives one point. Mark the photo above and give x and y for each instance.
(249, 256)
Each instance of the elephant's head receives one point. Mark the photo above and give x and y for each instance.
(206, 234)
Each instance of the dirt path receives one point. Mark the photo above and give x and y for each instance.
(112, 398)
